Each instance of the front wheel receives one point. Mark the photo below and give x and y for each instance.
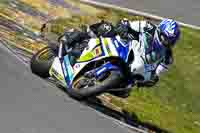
(41, 61)
(84, 87)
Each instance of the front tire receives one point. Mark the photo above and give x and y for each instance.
(113, 80)
(41, 61)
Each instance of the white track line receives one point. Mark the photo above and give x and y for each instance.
(148, 15)
(131, 129)
(130, 11)
(9, 50)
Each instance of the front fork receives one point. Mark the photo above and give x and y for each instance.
(61, 68)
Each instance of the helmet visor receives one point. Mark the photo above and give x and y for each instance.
(164, 39)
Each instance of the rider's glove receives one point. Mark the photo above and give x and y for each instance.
(122, 28)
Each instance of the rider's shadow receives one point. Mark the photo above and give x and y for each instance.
(124, 116)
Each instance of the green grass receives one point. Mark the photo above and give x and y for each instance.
(181, 84)
(59, 25)
(173, 104)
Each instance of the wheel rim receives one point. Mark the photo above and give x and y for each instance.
(83, 82)
(88, 82)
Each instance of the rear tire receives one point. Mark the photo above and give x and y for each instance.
(40, 64)
(114, 80)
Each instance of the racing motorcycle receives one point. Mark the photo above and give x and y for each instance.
(101, 67)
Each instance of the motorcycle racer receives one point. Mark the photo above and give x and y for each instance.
(157, 42)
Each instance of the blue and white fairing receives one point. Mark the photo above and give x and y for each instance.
(108, 47)
(121, 47)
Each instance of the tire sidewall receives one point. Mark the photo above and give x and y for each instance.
(41, 67)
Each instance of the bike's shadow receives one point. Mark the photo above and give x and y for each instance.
(121, 115)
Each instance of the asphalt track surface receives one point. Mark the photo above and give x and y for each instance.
(186, 11)
(28, 104)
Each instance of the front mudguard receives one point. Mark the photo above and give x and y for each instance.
(105, 68)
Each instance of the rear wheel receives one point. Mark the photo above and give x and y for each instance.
(41, 61)
(84, 87)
